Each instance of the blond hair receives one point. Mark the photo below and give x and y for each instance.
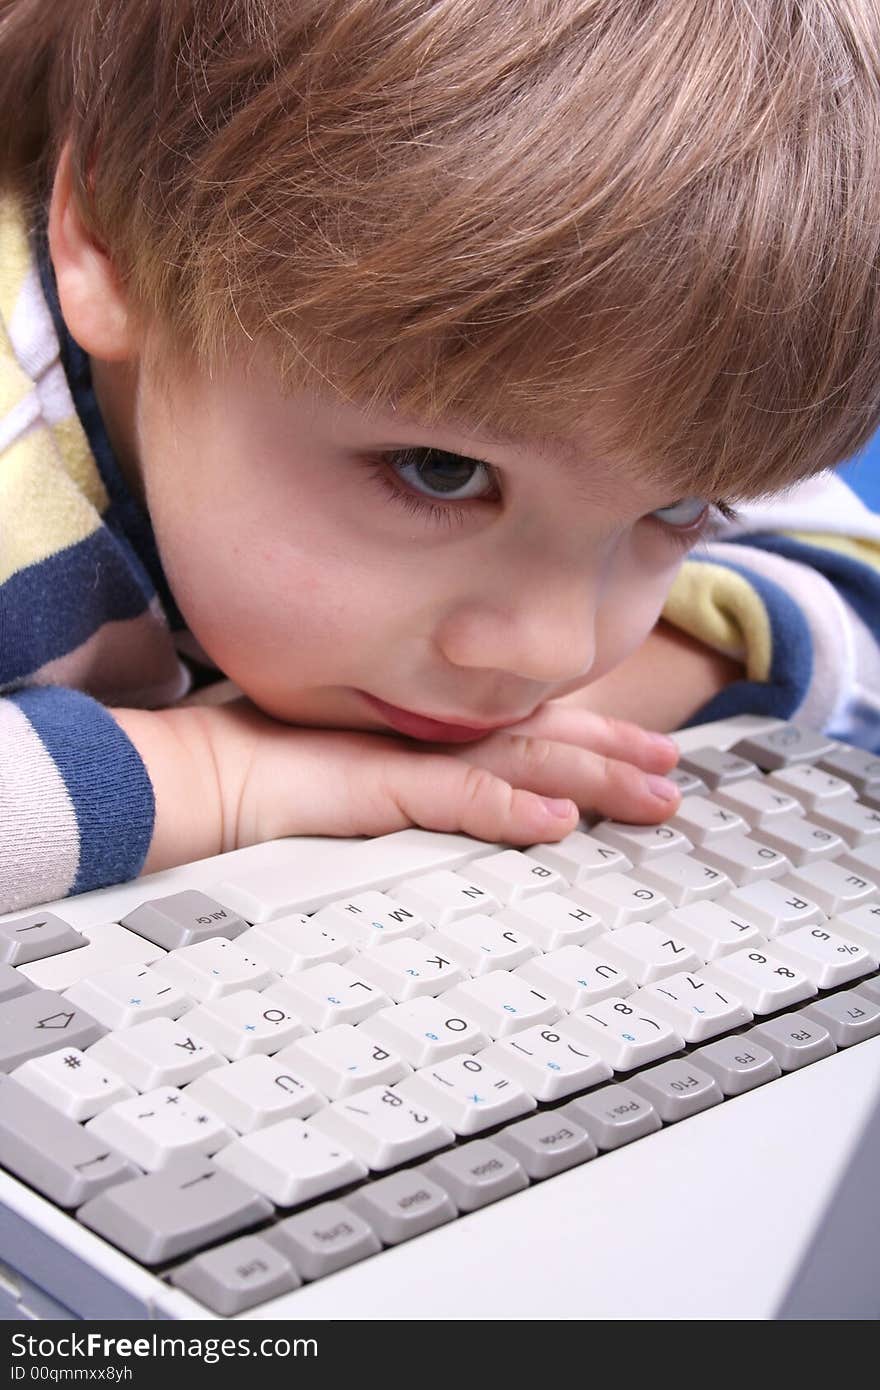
(658, 217)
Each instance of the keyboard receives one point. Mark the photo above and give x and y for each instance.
(228, 1086)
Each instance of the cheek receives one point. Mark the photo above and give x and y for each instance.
(633, 603)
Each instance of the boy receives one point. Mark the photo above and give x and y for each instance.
(388, 357)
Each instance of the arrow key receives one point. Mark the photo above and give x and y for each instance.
(36, 936)
(42, 1021)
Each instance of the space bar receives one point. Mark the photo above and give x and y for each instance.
(319, 870)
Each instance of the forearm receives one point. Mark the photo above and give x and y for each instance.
(662, 684)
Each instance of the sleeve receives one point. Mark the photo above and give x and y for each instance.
(76, 804)
(792, 591)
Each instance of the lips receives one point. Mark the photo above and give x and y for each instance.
(434, 730)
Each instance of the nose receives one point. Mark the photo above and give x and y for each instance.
(544, 632)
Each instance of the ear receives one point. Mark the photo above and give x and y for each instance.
(93, 302)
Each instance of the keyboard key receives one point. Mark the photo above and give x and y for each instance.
(237, 1275)
(550, 921)
(51, 1152)
(502, 1003)
(677, 1089)
(402, 1205)
(467, 1093)
(716, 767)
(343, 1060)
(580, 857)
(745, 860)
(181, 919)
(738, 1064)
(160, 1052)
(812, 786)
(870, 989)
(325, 1238)
(513, 877)
(41, 1021)
(683, 878)
(210, 969)
(623, 1034)
(762, 981)
(826, 958)
(73, 1083)
(290, 1163)
(548, 1062)
(854, 765)
(13, 983)
(790, 744)
(160, 1126)
(477, 1173)
(109, 946)
(255, 1092)
(704, 821)
(711, 928)
(329, 994)
(128, 995)
(482, 944)
(850, 1017)
(794, 1040)
(369, 919)
(641, 843)
(861, 924)
(294, 943)
(425, 1031)
(383, 1127)
(772, 906)
(613, 1116)
(576, 976)
(547, 1144)
(446, 896)
(688, 783)
(619, 899)
(645, 952)
(693, 1006)
(855, 823)
(801, 840)
(166, 1214)
(833, 887)
(37, 935)
(863, 860)
(406, 969)
(758, 802)
(240, 1024)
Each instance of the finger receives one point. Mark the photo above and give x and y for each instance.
(612, 738)
(439, 792)
(609, 786)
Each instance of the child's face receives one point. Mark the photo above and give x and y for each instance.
(311, 587)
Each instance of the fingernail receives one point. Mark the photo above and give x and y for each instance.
(661, 787)
(558, 807)
(666, 745)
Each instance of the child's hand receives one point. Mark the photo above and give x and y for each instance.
(230, 776)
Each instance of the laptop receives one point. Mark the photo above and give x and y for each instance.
(632, 1075)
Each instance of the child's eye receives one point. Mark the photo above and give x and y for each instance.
(441, 475)
(686, 513)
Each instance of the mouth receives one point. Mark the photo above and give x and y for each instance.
(433, 730)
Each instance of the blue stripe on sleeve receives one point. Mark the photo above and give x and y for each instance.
(105, 776)
(857, 583)
(791, 661)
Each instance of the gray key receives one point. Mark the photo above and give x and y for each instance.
(324, 1238)
(53, 1153)
(854, 765)
(169, 1213)
(236, 1276)
(794, 1040)
(547, 1144)
(13, 983)
(180, 919)
(850, 1017)
(36, 936)
(717, 768)
(613, 1116)
(42, 1021)
(476, 1174)
(738, 1064)
(402, 1205)
(688, 783)
(871, 988)
(784, 747)
(677, 1089)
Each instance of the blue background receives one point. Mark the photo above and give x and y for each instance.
(863, 474)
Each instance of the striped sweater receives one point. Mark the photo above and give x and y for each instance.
(87, 619)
